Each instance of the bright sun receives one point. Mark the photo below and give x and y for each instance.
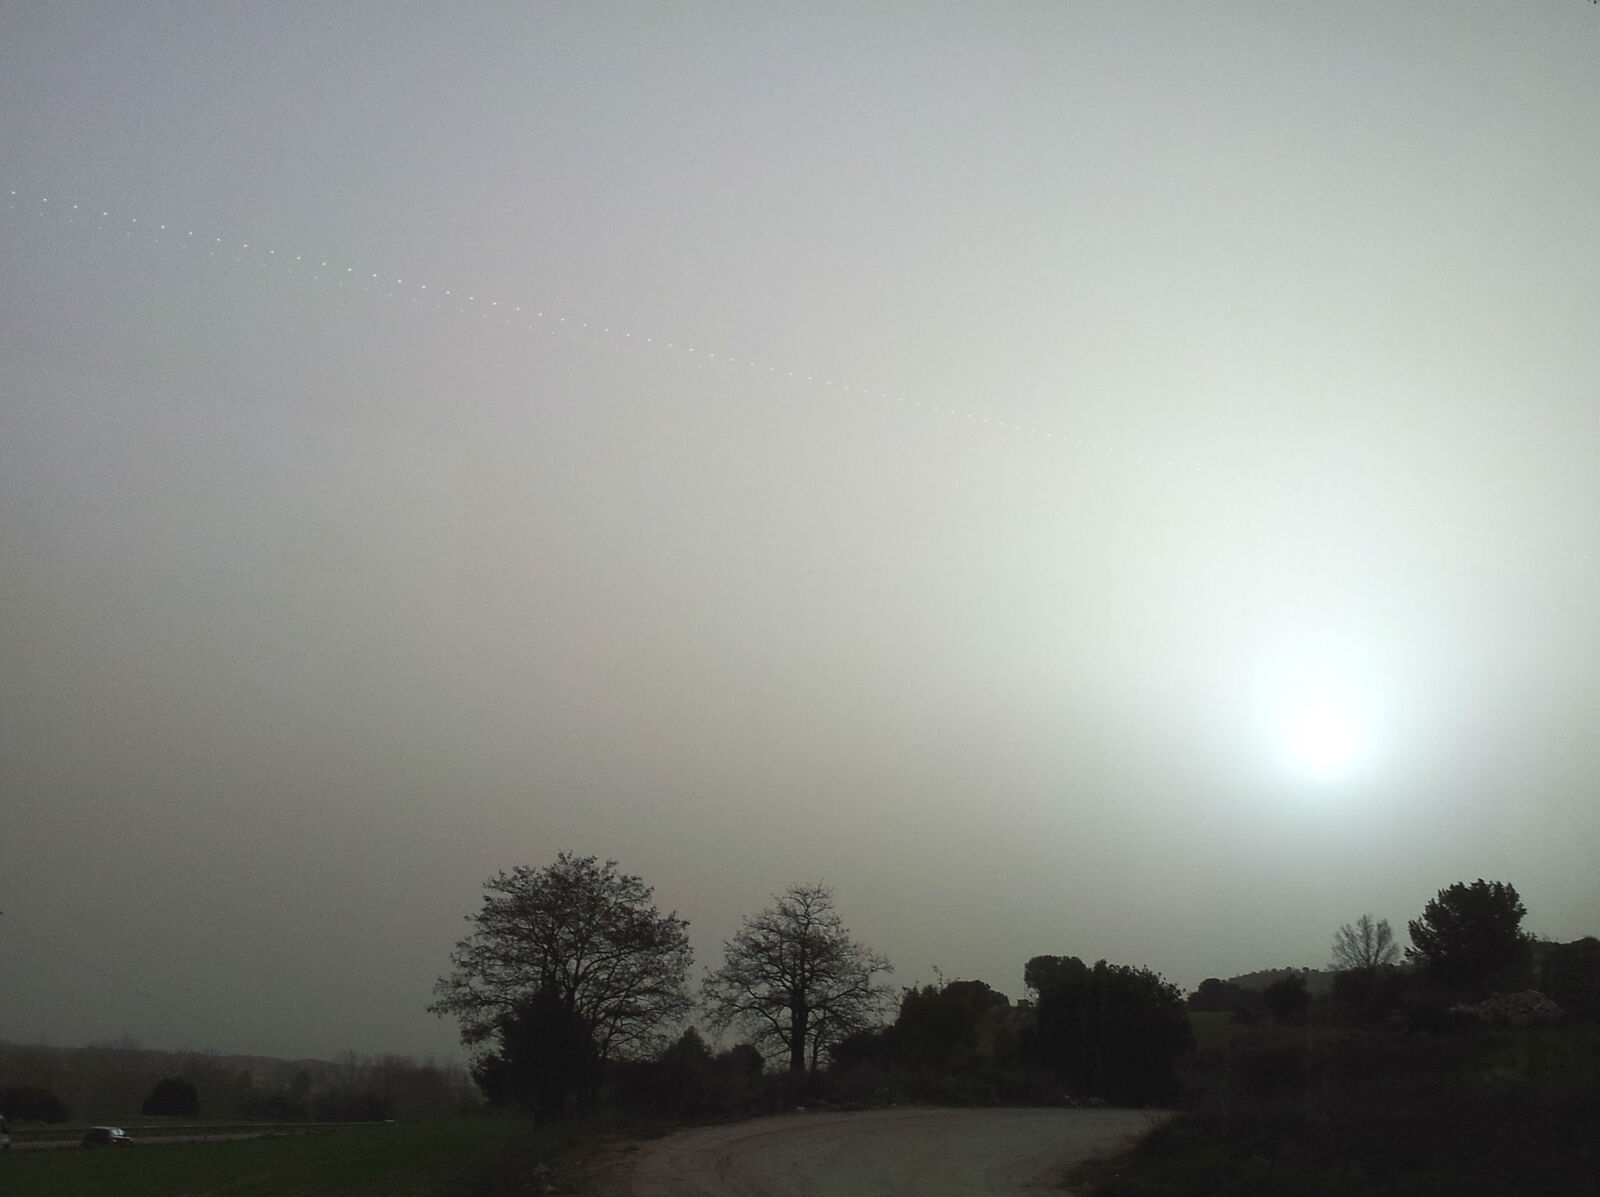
(1317, 714)
(1324, 739)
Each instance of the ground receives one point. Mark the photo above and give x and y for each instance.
(930, 1152)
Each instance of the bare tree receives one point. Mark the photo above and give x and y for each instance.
(576, 948)
(1364, 947)
(795, 981)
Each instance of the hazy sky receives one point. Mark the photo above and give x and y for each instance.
(946, 452)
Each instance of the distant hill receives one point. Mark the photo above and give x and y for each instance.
(1318, 982)
(111, 1082)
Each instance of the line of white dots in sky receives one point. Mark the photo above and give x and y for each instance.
(466, 302)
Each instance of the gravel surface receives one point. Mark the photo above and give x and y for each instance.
(914, 1153)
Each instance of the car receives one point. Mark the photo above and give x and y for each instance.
(106, 1136)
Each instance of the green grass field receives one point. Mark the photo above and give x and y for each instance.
(481, 1156)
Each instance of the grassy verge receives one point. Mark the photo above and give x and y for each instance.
(467, 1157)
(1287, 1112)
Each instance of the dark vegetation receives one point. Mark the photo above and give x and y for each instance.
(108, 1083)
(173, 1097)
(1328, 1109)
(1570, 975)
(1109, 1034)
(1287, 998)
(1470, 938)
(1466, 1068)
(1474, 1069)
(571, 973)
(1112, 1031)
(31, 1103)
(1471, 1067)
(567, 968)
(795, 980)
(479, 1156)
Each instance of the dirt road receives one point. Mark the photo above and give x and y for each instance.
(881, 1153)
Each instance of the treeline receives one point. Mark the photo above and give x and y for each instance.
(569, 986)
(1106, 1034)
(118, 1081)
(1469, 961)
(571, 977)
(1468, 1064)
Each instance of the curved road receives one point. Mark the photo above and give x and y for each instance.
(881, 1153)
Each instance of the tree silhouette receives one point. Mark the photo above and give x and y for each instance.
(546, 1057)
(30, 1103)
(944, 1030)
(1470, 935)
(1113, 1031)
(576, 951)
(1215, 994)
(1572, 976)
(1286, 997)
(1364, 946)
(172, 1096)
(795, 979)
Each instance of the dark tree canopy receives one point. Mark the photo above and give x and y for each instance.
(688, 1080)
(1286, 997)
(1572, 976)
(862, 1050)
(949, 1029)
(1370, 994)
(29, 1103)
(795, 980)
(546, 1055)
(1470, 935)
(1045, 973)
(575, 951)
(1215, 994)
(172, 1096)
(1113, 1031)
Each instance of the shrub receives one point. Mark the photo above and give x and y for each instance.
(1370, 995)
(1572, 977)
(1113, 1032)
(172, 1096)
(30, 1103)
(1217, 995)
(1287, 998)
(1525, 1009)
(688, 1081)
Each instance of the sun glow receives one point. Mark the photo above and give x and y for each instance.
(1318, 714)
(1324, 739)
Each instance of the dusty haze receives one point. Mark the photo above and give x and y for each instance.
(931, 451)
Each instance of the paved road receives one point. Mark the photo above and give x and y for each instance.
(880, 1153)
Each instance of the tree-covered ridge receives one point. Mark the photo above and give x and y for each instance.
(572, 992)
